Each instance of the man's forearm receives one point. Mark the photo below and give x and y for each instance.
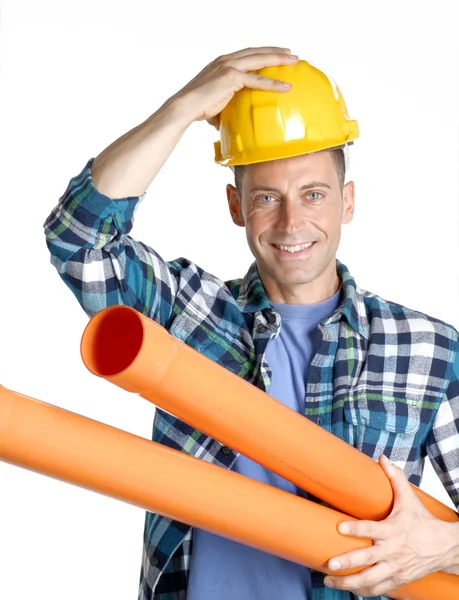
(128, 166)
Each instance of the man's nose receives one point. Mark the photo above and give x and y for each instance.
(291, 217)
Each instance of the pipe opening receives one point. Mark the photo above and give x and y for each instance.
(112, 341)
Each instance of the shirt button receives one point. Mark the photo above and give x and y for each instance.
(262, 329)
(226, 451)
(153, 561)
(272, 318)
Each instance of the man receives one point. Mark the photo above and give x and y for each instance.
(380, 376)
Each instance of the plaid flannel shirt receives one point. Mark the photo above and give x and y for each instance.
(382, 380)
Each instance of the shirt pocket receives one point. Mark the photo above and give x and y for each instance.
(384, 422)
(384, 411)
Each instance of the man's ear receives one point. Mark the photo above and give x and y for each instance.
(235, 206)
(348, 202)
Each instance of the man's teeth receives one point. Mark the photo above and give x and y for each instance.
(293, 248)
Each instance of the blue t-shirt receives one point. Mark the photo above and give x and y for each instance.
(225, 570)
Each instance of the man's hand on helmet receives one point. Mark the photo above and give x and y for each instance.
(210, 91)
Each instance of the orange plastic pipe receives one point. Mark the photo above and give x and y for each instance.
(67, 446)
(137, 354)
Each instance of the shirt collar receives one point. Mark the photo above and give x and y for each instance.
(251, 297)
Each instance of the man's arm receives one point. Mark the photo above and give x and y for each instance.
(88, 231)
(129, 165)
(87, 235)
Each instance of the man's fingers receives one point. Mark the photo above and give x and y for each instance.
(257, 82)
(404, 494)
(254, 62)
(374, 530)
(372, 581)
(249, 51)
(210, 91)
(363, 557)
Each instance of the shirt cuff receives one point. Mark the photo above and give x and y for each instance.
(87, 205)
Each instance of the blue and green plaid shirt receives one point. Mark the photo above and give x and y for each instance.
(382, 379)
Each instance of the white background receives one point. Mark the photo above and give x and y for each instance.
(74, 76)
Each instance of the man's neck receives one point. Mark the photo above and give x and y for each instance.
(313, 292)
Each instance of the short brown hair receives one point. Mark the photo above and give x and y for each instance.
(338, 159)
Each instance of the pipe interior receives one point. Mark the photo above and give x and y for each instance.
(115, 342)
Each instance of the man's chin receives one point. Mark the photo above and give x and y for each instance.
(293, 272)
(294, 277)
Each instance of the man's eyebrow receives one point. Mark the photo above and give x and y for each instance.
(308, 186)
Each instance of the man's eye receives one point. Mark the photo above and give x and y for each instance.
(266, 198)
(315, 195)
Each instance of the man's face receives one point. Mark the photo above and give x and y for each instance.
(292, 210)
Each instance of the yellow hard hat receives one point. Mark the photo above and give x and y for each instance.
(259, 125)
